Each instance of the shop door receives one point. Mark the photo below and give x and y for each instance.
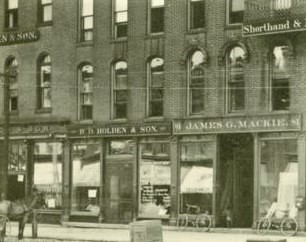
(16, 187)
(236, 179)
(119, 192)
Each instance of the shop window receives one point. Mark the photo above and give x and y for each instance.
(86, 94)
(48, 160)
(197, 14)
(120, 18)
(86, 178)
(235, 11)
(280, 87)
(281, 4)
(235, 79)
(120, 90)
(156, 87)
(196, 169)
(87, 19)
(45, 11)
(44, 82)
(156, 18)
(121, 147)
(11, 14)
(18, 156)
(154, 178)
(12, 66)
(196, 82)
(278, 177)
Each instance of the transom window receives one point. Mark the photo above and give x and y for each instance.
(11, 15)
(44, 82)
(156, 23)
(86, 94)
(86, 20)
(45, 11)
(235, 13)
(121, 18)
(197, 14)
(12, 64)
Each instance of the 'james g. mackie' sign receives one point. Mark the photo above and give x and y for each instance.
(19, 37)
(290, 122)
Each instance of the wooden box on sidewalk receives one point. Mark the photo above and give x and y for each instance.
(146, 231)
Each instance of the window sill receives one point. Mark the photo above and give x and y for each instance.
(233, 26)
(118, 40)
(15, 112)
(154, 119)
(13, 29)
(155, 35)
(280, 111)
(86, 121)
(44, 24)
(85, 44)
(196, 31)
(43, 110)
(119, 120)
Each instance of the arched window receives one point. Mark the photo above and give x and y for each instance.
(235, 79)
(120, 90)
(196, 82)
(280, 89)
(12, 64)
(156, 87)
(86, 94)
(44, 82)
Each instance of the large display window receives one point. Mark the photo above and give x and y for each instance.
(278, 175)
(196, 170)
(154, 177)
(86, 178)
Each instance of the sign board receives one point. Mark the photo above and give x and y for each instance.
(34, 129)
(263, 123)
(11, 38)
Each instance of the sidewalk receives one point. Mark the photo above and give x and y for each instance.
(59, 233)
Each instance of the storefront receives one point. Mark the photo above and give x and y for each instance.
(241, 165)
(118, 173)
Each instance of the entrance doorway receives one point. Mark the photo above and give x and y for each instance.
(236, 180)
(16, 187)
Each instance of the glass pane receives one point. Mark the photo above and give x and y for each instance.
(12, 4)
(88, 22)
(197, 60)
(86, 178)
(156, 94)
(87, 7)
(86, 112)
(280, 94)
(47, 13)
(46, 2)
(48, 173)
(280, 62)
(197, 15)
(121, 17)
(237, 5)
(45, 76)
(155, 3)
(197, 176)
(87, 99)
(154, 179)
(120, 110)
(121, 96)
(197, 100)
(278, 178)
(87, 35)
(156, 108)
(121, 5)
(157, 20)
(121, 75)
(17, 157)
(282, 4)
(237, 96)
(46, 98)
(121, 30)
(121, 147)
(237, 57)
(14, 103)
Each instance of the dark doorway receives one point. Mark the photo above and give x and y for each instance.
(236, 180)
(16, 187)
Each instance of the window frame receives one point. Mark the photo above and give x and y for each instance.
(191, 15)
(40, 87)
(82, 19)
(229, 13)
(41, 12)
(117, 24)
(14, 12)
(150, 18)
(12, 62)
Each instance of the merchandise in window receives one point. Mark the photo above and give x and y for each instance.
(45, 11)
(44, 85)
(87, 8)
(121, 147)
(154, 178)
(120, 90)
(156, 87)
(121, 18)
(278, 177)
(280, 78)
(197, 14)
(236, 9)
(157, 16)
(11, 15)
(86, 178)
(48, 160)
(196, 169)
(12, 66)
(86, 94)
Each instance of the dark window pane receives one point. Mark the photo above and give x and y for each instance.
(197, 14)
(14, 103)
(121, 96)
(86, 112)
(156, 109)
(280, 94)
(121, 110)
(236, 11)
(237, 96)
(121, 30)
(157, 94)
(197, 100)
(157, 20)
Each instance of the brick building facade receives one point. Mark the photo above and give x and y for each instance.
(131, 111)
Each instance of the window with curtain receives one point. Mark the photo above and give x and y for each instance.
(120, 18)
(86, 92)
(12, 66)
(196, 82)
(44, 82)
(87, 19)
(197, 14)
(156, 22)
(120, 76)
(235, 11)
(45, 11)
(235, 79)
(156, 87)
(11, 14)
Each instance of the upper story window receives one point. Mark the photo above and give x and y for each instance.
(156, 19)
(120, 18)
(45, 11)
(13, 94)
(44, 82)
(85, 92)
(156, 87)
(197, 14)
(281, 4)
(86, 21)
(11, 15)
(280, 88)
(235, 11)
(235, 79)
(120, 90)
(196, 82)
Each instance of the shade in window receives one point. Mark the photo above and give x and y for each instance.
(45, 11)
(157, 16)
(11, 15)
(236, 9)
(281, 4)
(120, 90)
(86, 20)
(196, 82)
(156, 87)
(44, 82)
(235, 78)
(12, 66)
(86, 94)
(197, 14)
(121, 18)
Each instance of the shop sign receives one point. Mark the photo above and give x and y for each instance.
(272, 27)
(119, 130)
(290, 122)
(33, 129)
(19, 37)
